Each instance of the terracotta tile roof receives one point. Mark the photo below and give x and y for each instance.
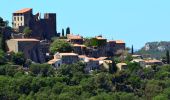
(152, 61)
(25, 39)
(112, 41)
(120, 42)
(101, 58)
(71, 36)
(53, 61)
(68, 54)
(99, 38)
(23, 10)
(82, 56)
(92, 59)
(78, 45)
(136, 55)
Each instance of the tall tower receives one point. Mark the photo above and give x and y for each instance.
(21, 18)
(51, 23)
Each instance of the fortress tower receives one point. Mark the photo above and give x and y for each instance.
(41, 28)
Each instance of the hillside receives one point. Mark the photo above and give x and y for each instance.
(155, 49)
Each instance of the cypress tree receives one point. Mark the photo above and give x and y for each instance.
(62, 32)
(132, 50)
(167, 57)
(68, 30)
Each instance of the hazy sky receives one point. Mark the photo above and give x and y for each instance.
(134, 21)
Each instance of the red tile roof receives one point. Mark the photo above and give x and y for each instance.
(152, 61)
(71, 36)
(53, 61)
(92, 59)
(25, 39)
(82, 56)
(23, 10)
(68, 54)
(120, 42)
(100, 38)
(78, 45)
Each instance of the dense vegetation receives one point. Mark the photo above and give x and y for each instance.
(60, 46)
(70, 82)
(94, 42)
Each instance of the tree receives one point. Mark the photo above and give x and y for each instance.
(27, 32)
(3, 42)
(112, 67)
(62, 32)
(2, 22)
(67, 30)
(41, 69)
(132, 52)
(2, 57)
(18, 58)
(167, 57)
(94, 42)
(3, 26)
(60, 46)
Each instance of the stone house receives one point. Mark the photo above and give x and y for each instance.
(56, 63)
(67, 58)
(121, 66)
(75, 39)
(105, 48)
(150, 63)
(79, 49)
(120, 45)
(90, 63)
(30, 48)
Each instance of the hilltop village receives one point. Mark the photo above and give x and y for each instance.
(36, 44)
(37, 62)
(33, 36)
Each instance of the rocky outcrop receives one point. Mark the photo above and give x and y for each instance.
(155, 49)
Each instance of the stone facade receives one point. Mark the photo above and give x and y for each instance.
(67, 58)
(41, 28)
(30, 48)
(79, 49)
(75, 39)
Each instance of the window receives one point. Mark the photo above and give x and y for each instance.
(14, 18)
(15, 24)
(21, 18)
(21, 24)
(18, 18)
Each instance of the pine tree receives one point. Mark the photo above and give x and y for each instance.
(62, 32)
(68, 30)
(167, 57)
(132, 50)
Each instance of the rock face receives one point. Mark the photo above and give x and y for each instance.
(155, 49)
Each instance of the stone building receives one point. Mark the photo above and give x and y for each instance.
(90, 63)
(30, 48)
(79, 49)
(41, 28)
(56, 63)
(67, 58)
(120, 45)
(75, 39)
